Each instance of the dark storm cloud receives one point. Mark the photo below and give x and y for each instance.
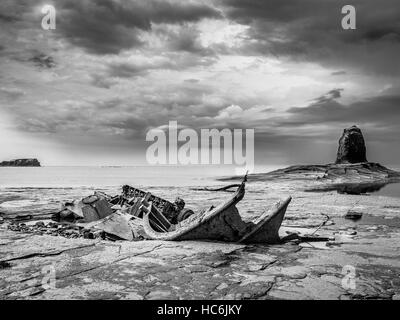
(129, 126)
(130, 68)
(186, 39)
(13, 10)
(107, 26)
(127, 117)
(333, 94)
(127, 70)
(11, 93)
(379, 111)
(42, 60)
(338, 73)
(8, 18)
(311, 30)
(302, 131)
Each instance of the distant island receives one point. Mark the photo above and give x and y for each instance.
(21, 163)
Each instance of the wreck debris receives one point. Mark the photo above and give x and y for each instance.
(220, 223)
(323, 223)
(157, 219)
(132, 195)
(184, 214)
(266, 228)
(89, 214)
(120, 217)
(115, 224)
(56, 229)
(226, 188)
(137, 215)
(223, 223)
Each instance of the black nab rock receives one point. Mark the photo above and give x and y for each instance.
(351, 147)
(21, 163)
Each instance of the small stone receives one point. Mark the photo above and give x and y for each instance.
(52, 225)
(4, 265)
(88, 235)
(353, 215)
(99, 234)
(197, 268)
(40, 224)
(222, 286)
(333, 243)
(158, 295)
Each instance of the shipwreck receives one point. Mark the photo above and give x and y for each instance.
(136, 214)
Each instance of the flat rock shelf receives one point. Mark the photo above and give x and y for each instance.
(99, 269)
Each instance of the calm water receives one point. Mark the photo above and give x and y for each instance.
(43, 189)
(56, 177)
(390, 190)
(76, 177)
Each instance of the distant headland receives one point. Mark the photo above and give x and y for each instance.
(21, 163)
(351, 173)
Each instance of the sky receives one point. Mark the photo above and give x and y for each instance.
(87, 92)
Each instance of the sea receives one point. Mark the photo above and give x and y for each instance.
(41, 190)
(38, 190)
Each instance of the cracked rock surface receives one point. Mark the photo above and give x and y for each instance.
(361, 262)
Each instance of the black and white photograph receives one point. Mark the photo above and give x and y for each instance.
(199, 150)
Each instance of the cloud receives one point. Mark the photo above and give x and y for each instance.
(8, 18)
(377, 111)
(116, 70)
(310, 30)
(127, 69)
(186, 39)
(106, 26)
(235, 115)
(42, 60)
(110, 26)
(331, 95)
(113, 69)
(338, 73)
(12, 93)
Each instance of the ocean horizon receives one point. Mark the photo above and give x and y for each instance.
(115, 176)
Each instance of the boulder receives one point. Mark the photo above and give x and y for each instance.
(353, 215)
(351, 147)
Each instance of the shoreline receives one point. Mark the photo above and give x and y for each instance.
(167, 270)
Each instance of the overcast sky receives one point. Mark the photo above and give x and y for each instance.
(87, 92)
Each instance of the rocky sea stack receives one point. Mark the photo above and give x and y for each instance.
(352, 147)
(21, 163)
(351, 173)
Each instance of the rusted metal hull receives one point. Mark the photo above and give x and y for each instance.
(266, 228)
(224, 223)
(220, 223)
